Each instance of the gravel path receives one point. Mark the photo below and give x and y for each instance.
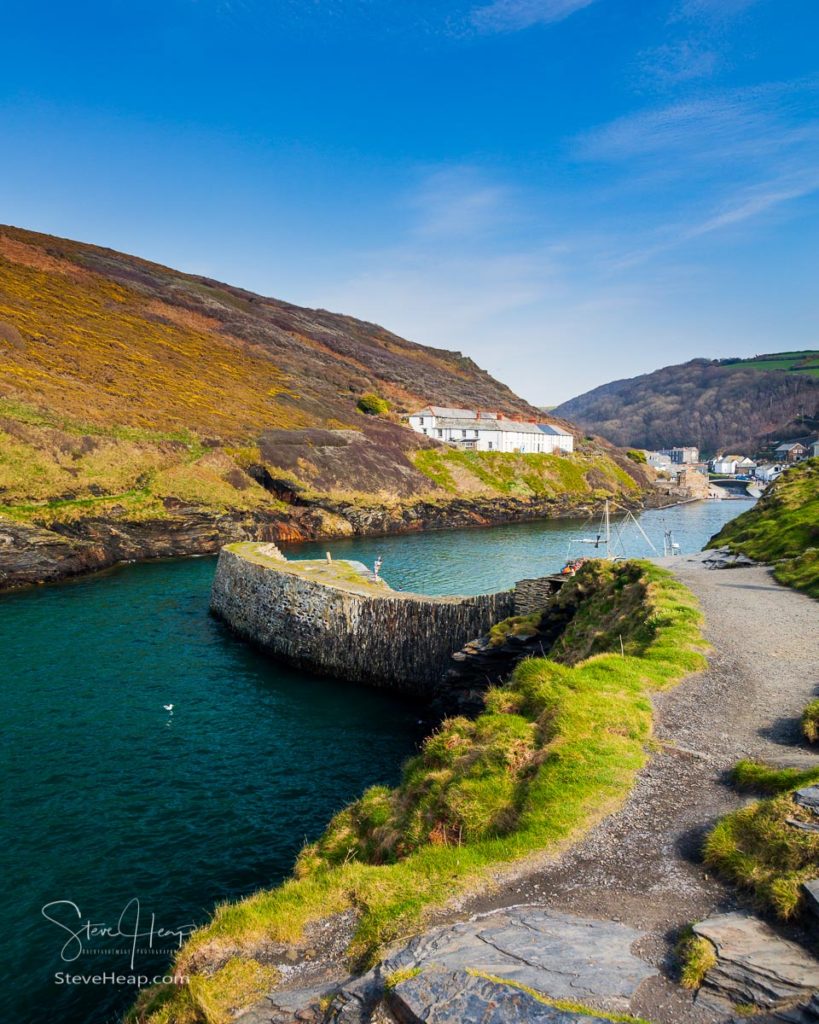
(640, 865)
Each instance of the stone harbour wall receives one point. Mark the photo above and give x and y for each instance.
(361, 632)
(531, 595)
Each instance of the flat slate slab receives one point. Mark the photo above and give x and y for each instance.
(560, 955)
(754, 964)
(454, 997)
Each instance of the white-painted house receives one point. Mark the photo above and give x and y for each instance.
(733, 464)
(769, 472)
(489, 431)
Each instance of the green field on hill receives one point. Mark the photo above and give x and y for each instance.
(806, 362)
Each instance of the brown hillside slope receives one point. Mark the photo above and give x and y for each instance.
(717, 405)
(187, 412)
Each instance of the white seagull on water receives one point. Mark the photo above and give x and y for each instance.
(168, 707)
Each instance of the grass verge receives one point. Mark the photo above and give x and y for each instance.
(555, 750)
(758, 777)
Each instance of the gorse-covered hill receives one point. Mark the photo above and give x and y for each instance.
(714, 404)
(112, 340)
(144, 411)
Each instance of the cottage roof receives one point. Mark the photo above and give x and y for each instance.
(788, 446)
(458, 421)
(443, 410)
(550, 428)
(488, 423)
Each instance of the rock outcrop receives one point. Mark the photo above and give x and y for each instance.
(755, 966)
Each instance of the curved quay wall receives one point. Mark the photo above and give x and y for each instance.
(333, 619)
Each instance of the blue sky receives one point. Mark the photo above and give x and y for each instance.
(569, 191)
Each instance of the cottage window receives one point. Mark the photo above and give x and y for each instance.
(440, 433)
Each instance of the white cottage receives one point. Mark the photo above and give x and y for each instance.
(489, 431)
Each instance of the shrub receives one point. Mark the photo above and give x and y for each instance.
(373, 405)
(636, 455)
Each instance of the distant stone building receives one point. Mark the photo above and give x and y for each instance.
(683, 455)
(660, 461)
(791, 451)
(489, 431)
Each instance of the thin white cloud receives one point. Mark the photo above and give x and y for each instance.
(513, 15)
(674, 63)
(753, 203)
(458, 201)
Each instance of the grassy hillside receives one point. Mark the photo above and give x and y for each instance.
(129, 390)
(554, 750)
(806, 361)
(714, 404)
(525, 476)
(783, 528)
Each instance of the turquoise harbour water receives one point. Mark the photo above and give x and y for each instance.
(108, 798)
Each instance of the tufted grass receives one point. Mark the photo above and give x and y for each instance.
(756, 848)
(697, 956)
(556, 749)
(810, 722)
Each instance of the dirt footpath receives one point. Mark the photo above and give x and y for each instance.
(640, 866)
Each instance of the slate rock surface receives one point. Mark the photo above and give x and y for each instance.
(808, 797)
(560, 955)
(754, 964)
(453, 997)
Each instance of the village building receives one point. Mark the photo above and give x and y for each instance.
(815, 447)
(683, 455)
(733, 465)
(489, 431)
(769, 472)
(791, 451)
(661, 461)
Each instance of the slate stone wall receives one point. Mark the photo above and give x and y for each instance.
(401, 641)
(531, 595)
